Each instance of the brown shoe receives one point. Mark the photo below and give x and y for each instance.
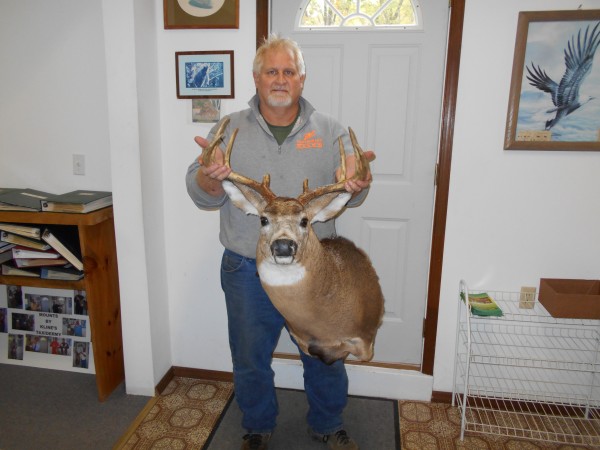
(256, 441)
(336, 441)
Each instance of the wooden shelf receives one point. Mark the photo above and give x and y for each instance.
(101, 283)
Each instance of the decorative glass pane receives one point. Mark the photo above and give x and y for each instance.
(397, 12)
(320, 14)
(345, 7)
(358, 21)
(359, 13)
(371, 7)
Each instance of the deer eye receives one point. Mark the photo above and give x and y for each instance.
(304, 222)
(264, 221)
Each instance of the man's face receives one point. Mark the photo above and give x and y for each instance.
(279, 84)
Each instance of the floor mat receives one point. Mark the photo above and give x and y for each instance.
(182, 417)
(371, 422)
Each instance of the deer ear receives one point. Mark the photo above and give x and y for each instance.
(327, 206)
(244, 197)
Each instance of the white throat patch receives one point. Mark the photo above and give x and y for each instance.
(280, 275)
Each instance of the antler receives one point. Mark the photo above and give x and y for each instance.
(360, 173)
(208, 153)
(208, 157)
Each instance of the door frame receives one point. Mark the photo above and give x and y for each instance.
(442, 179)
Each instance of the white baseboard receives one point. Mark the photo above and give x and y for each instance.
(365, 381)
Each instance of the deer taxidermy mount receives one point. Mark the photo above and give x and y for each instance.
(327, 290)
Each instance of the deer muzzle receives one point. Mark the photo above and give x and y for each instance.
(284, 251)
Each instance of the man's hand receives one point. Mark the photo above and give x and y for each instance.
(209, 177)
(217, 170)
(355, 186)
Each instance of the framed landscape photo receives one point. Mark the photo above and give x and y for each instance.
(554, 99)
(201, 14)
(205, 74)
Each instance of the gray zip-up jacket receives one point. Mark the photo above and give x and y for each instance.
(310, 151)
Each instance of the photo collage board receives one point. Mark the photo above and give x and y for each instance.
(46, 328)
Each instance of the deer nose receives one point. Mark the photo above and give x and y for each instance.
(284, 247)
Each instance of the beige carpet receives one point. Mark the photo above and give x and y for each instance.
(432, 426)
(186, 412)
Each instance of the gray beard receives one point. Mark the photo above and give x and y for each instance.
(275, 101)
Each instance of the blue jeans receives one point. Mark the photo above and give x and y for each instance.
(254, 329)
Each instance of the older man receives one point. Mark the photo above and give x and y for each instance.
(283, 135)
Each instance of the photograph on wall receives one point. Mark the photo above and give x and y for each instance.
(3, 319)
(49, 303)
(45, 327)
(555, 90)
(201, 14)
(74, 327)
(204, 74)
(15, 346)
(206, 110)
(23, 322)
(60, 346)
(14, 296)
(80, 354)
(34, 343)
(80, 302)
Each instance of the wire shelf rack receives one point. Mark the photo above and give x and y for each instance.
(527, 374)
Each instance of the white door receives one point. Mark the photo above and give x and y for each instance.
(387, 86)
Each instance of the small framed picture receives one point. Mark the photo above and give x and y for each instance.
(206, 110)
(205, 74)
(554, 99)
(201, 14)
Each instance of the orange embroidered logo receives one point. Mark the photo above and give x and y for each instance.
(309, 141)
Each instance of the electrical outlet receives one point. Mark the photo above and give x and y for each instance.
(527, 297)
(78, 164)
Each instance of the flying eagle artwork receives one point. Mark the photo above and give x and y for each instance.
(579, 56)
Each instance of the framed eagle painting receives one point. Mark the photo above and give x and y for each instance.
(554, 99)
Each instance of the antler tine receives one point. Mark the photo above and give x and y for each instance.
(360, 173)
(362, 163)
(262, 188)
(208, 154)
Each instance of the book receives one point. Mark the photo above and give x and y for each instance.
(5, 256)
(23, 200)
(26, 253)
(79, 201)
(21, 230)
(65, 240)
(5, 246)
(4, 190)
(39, 262)
(61, 273)
(10, 268)
(23, 241)
(482, 304)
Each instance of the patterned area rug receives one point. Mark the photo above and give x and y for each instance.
(181, 417)
(433, 426)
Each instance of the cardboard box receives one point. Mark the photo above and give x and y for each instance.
(570, 299)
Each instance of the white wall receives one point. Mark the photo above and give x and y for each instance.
(513, 216)
(197, 309)
(52, 95)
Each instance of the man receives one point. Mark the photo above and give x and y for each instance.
(280, 134)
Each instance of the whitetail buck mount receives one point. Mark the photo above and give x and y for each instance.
(327, 291)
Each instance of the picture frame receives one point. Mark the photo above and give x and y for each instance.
(186, 14)
(553, 106)
(205, 74)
